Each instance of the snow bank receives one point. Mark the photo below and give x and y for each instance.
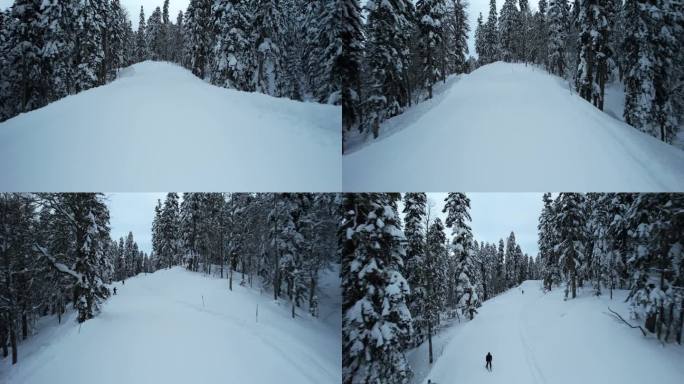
(159, 128)
(539, 338)
(511, 128)
(176, 326)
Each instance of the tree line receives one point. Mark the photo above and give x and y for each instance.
(55, 48)
(400, 285)
(594, 42)
(614, 241)
(281, 240)
(394, 54)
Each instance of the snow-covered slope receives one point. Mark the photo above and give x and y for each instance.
(511, 127)
(158, 127)
(176, 326)
(539, 338)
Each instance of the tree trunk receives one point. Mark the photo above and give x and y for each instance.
(24, 326)
(312, 289)
(13, 341)
(430, 341)
(230, 276)
(574, 286)
(681, 322)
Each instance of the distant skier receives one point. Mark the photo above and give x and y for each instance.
(488, 366)
(115, 290)
(523, 291)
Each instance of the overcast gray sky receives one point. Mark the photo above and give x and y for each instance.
(495, 215)
(133, 212)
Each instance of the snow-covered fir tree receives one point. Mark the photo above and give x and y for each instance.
(376, 320)
(431, 17)
(350, 65)
(457, 206)
(508, 25)
(558, 20)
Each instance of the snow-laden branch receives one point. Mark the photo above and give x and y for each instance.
(59, 266)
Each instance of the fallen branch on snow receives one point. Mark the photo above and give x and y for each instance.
(617, 316)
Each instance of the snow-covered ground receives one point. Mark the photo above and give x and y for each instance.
(175, 326)
(537, 338)
(511, 128)
(158, 127)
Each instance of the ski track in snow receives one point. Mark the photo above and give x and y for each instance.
(510, 128)
(159, 128)
(157, 329)
(538, 338)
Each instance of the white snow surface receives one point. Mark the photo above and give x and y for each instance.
(176, 326)
(510, 128)
(538, 338)
(158, 127)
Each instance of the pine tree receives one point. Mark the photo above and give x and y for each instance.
(456, 207)
(508, 23)
(570, 247)
(479, 37)
(374, 292)
(524, 32)
(435, 267)
(166, 33)
(27, 82)
(558, 19)
(155, 35)
(328, 48)
(116, 32)
(491, 36)
(142, 51)
(268, 71)
(232, 54)
(541, 35)
(57, 19)
(650, 47)
(169, 240)
(455, 38)
(178, 40)
(386, 31)
(414, 262)
(350, 66)
(431, 21)
(199, 36)
(90, 45)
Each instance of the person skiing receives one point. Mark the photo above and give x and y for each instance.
(489, 361)
(115, 290)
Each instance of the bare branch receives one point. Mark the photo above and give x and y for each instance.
(617, 316)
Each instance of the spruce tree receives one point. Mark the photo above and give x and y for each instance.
(350, 65)
(233, 58)
(374, 292)
(558, 20)
(508, 25)
(142, 52)
(571, 248)
(431, 21)
(491, 37)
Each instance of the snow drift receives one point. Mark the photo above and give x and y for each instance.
(511, 128)
(158, 127)
(175, 326)
(539, 338)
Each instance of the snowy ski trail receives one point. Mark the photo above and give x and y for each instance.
(538, 338)
(176, 326)
(159, 128)
(511, 128)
